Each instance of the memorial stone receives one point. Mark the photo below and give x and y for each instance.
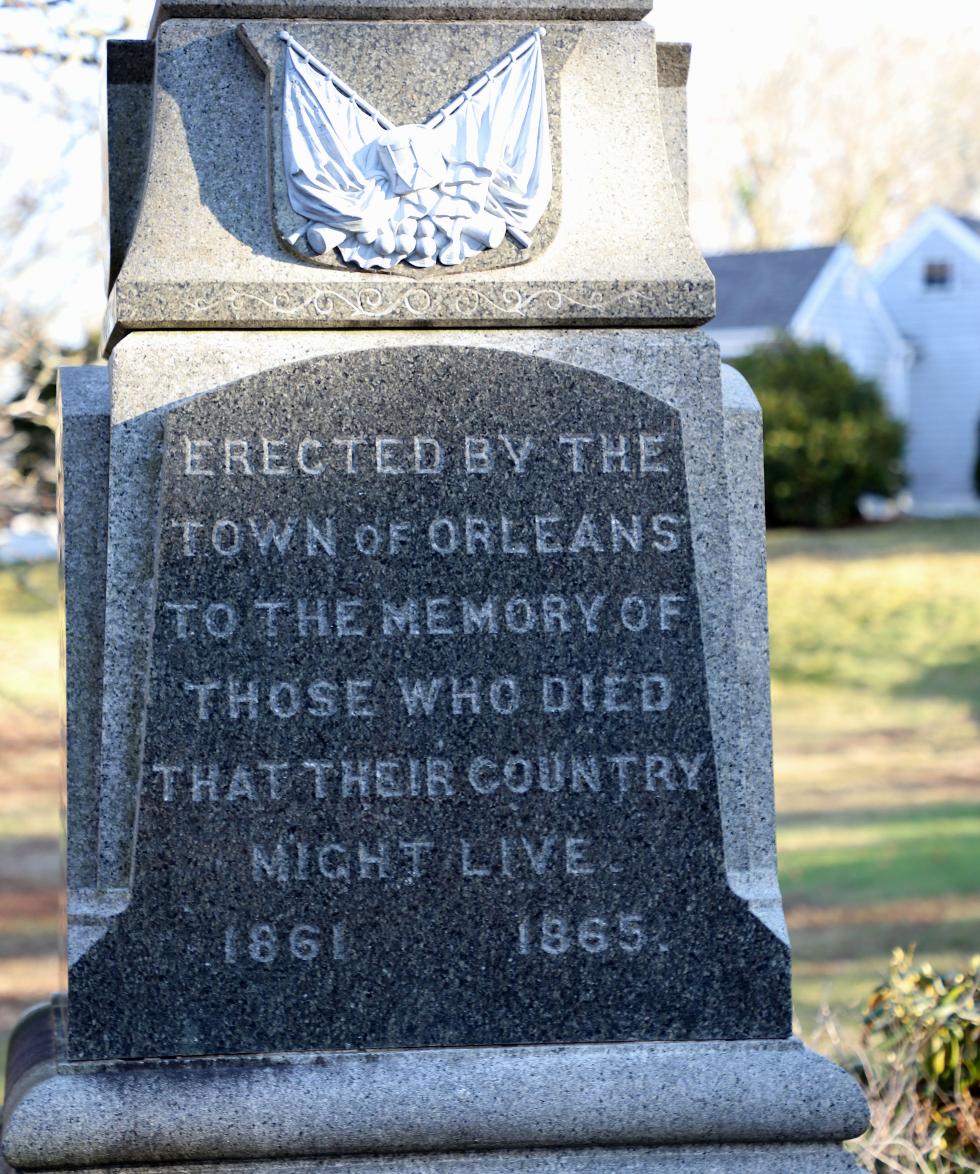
(419, 767)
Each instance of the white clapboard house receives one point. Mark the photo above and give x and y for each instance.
(815, 295)
(929, 280)
(912, 325)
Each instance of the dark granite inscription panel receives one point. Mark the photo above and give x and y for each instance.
(427, 757)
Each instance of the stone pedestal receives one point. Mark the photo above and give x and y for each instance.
(705, 1107)
(419, 765)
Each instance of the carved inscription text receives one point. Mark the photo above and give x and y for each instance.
(428, 754)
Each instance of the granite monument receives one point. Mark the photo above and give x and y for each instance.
(419, 803)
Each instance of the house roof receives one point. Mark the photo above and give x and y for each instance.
(970, 222)
(764, 289)
(962, 232)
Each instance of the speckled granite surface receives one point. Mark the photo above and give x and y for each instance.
(428, 757)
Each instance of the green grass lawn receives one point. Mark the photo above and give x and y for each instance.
(876, 692)
(876, 702)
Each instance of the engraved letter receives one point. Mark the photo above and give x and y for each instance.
(182, 610)
(322, 696)
(351, 444)
(306, 447)
(482, 780)
(401, 618)
(346, 612)
(577, 862)
(271, 458)
(221, 620)
(443, 536)
(554, 695)
(691, 768)
(669, 609)
(480, 618)
(319, 768)
(437, 620)
(204, 692)
(420, 695)
(271, 607)
(615, 454)
(633, 613)
(168, 773)
(428, 445)
(236, 452)
(590, 606)
(554, 613)
(272, 534)
(507, 543)
(577, 445)
(317, 539)
(632, 537)
(415, 848)
(505, 695)
(359, 698)
(274, 868)
(468, 692)
(385, 451)
(651, 447)
(241, 785)
(586, 537)
(189, 536)
(469, 868)
(518, 456)
(201, 782)
(663, 527)
(305, 621)
(236, 699)
(659, 772)
(367, 539)
(193, 456)
(656, 694)
(545, 539)
(479, 457)
(284, 699)
(341, 872)
(378, 861)
(227, 546)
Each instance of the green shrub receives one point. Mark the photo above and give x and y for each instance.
(827, 436)
(923, 1029)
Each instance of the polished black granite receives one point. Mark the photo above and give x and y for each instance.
(427, 757)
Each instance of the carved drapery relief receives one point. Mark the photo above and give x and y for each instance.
(436, 193)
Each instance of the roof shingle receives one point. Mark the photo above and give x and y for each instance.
(764, 289)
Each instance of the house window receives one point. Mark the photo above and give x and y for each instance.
(937, 274)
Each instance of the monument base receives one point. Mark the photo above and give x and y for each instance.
(703, 1108)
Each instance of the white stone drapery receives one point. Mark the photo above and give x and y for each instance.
(441, 192)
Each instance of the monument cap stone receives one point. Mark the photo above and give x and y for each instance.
(612, 246)
(398, 10)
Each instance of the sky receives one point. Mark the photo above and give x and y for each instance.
(733, 41)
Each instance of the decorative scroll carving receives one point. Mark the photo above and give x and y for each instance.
(374, 302)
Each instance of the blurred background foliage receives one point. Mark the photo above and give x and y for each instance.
(28, 423)
(828, 437)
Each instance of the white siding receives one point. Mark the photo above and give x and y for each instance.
(847, 316)
(943, 324)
